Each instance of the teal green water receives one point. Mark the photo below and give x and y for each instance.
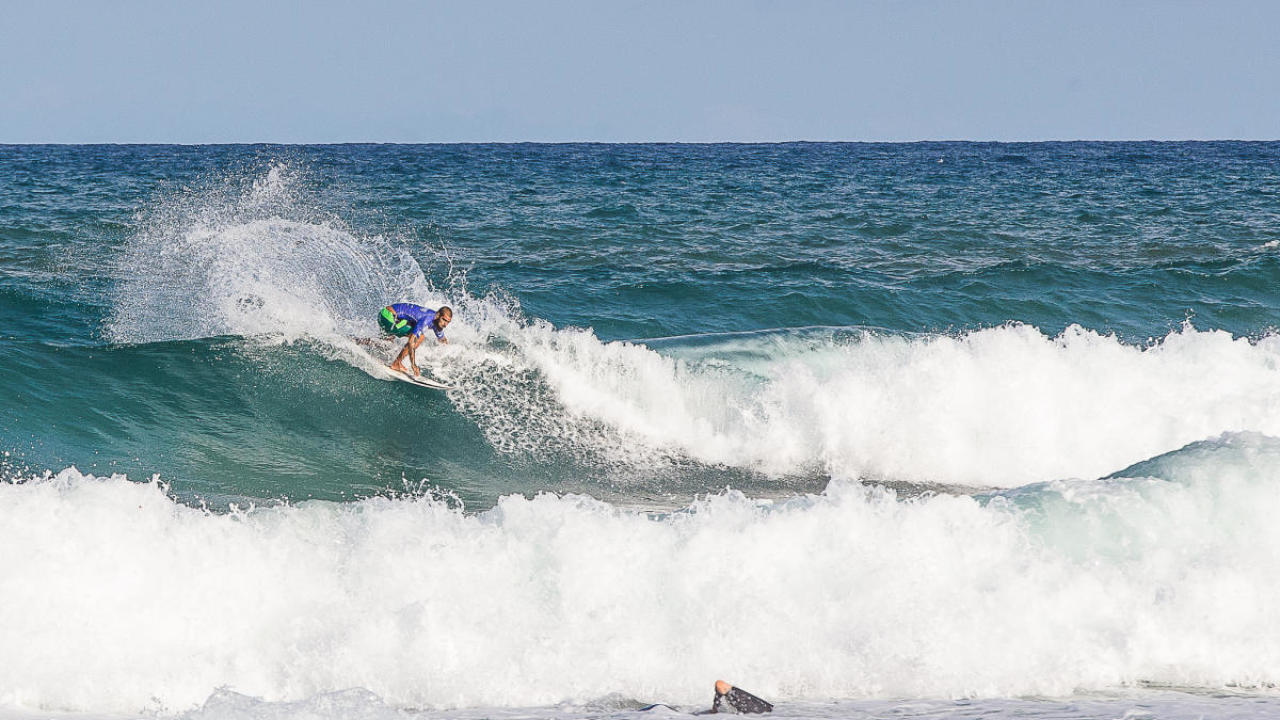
(176, 310)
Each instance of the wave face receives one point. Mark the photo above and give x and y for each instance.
(1000, 407)
(119, 597)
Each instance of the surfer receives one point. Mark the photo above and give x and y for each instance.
(403, 319)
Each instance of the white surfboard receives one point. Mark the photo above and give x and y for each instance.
(382, 370)
(418, 380)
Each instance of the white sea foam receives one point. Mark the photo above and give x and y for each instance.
(996, 407)
(117, 599)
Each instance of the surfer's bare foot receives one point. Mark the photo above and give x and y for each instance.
(398, 368)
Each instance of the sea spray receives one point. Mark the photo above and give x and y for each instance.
(253, 256)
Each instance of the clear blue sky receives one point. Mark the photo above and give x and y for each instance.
(401, 71)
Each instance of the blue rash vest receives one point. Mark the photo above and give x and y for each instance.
(421, 318)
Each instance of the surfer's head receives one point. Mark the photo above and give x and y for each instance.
(444, 316)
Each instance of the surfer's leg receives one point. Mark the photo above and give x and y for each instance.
(398, 363)
(408, 351)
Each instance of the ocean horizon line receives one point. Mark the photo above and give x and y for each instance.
(639, 143)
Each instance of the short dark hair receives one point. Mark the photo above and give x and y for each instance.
(446, 311)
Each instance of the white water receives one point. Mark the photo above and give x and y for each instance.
(997, 407)
(117, 599)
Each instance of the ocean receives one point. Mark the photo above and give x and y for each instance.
(871, 430)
